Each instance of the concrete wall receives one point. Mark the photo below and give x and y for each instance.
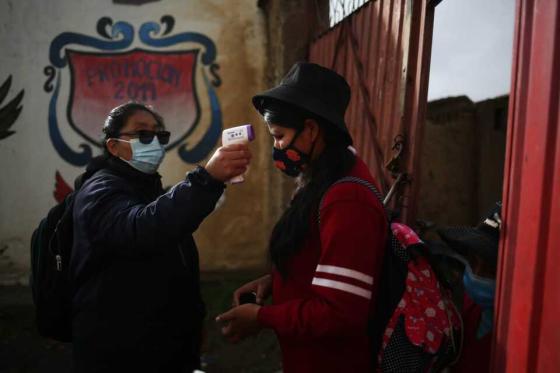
(47, 135)
(462, 159)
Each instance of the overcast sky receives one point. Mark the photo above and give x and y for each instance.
(472, 49)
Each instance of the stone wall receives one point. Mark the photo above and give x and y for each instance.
(462, 159)
(491, 133)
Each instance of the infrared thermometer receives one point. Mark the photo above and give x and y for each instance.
(238, 135)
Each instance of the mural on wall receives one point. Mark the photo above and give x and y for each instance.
(9, 113)
(116, 73)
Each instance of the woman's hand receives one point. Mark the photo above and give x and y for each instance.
(240, 322)
(229, 161)
(261, 287)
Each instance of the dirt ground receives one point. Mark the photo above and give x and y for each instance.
(22, 350)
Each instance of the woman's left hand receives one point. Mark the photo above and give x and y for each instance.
(240, 322)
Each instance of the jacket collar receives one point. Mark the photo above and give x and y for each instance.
(132, 175)
(151, 182)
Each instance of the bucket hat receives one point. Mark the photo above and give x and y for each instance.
(314, 88)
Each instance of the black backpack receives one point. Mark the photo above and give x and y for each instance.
(400, 355)
(51, 250)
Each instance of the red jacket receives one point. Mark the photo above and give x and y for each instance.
(475, 356)
(320, 311)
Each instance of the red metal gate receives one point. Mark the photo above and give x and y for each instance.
(527, 323)
(383, 50)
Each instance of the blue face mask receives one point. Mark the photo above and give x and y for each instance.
(481, 290)
(145, 157)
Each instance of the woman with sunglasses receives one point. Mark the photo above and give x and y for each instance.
(134, 266)
(328, 245)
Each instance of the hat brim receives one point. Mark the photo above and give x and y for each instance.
(467, 240)
(303, 100)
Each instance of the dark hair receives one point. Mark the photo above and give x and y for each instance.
(333, 163)
(119, 115)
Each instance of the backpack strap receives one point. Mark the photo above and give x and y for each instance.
(355, 180)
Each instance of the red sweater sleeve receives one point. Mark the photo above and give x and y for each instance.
(353, 231)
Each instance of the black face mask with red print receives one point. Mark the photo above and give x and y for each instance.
(290, 160)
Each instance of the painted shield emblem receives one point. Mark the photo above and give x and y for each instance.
(114, 74)
(102, 81)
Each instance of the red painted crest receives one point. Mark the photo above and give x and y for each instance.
(102, 81)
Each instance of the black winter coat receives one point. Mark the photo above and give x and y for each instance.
(137, 302)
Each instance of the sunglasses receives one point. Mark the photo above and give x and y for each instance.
(146, 137)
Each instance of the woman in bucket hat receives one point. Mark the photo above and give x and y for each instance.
(327, 247)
